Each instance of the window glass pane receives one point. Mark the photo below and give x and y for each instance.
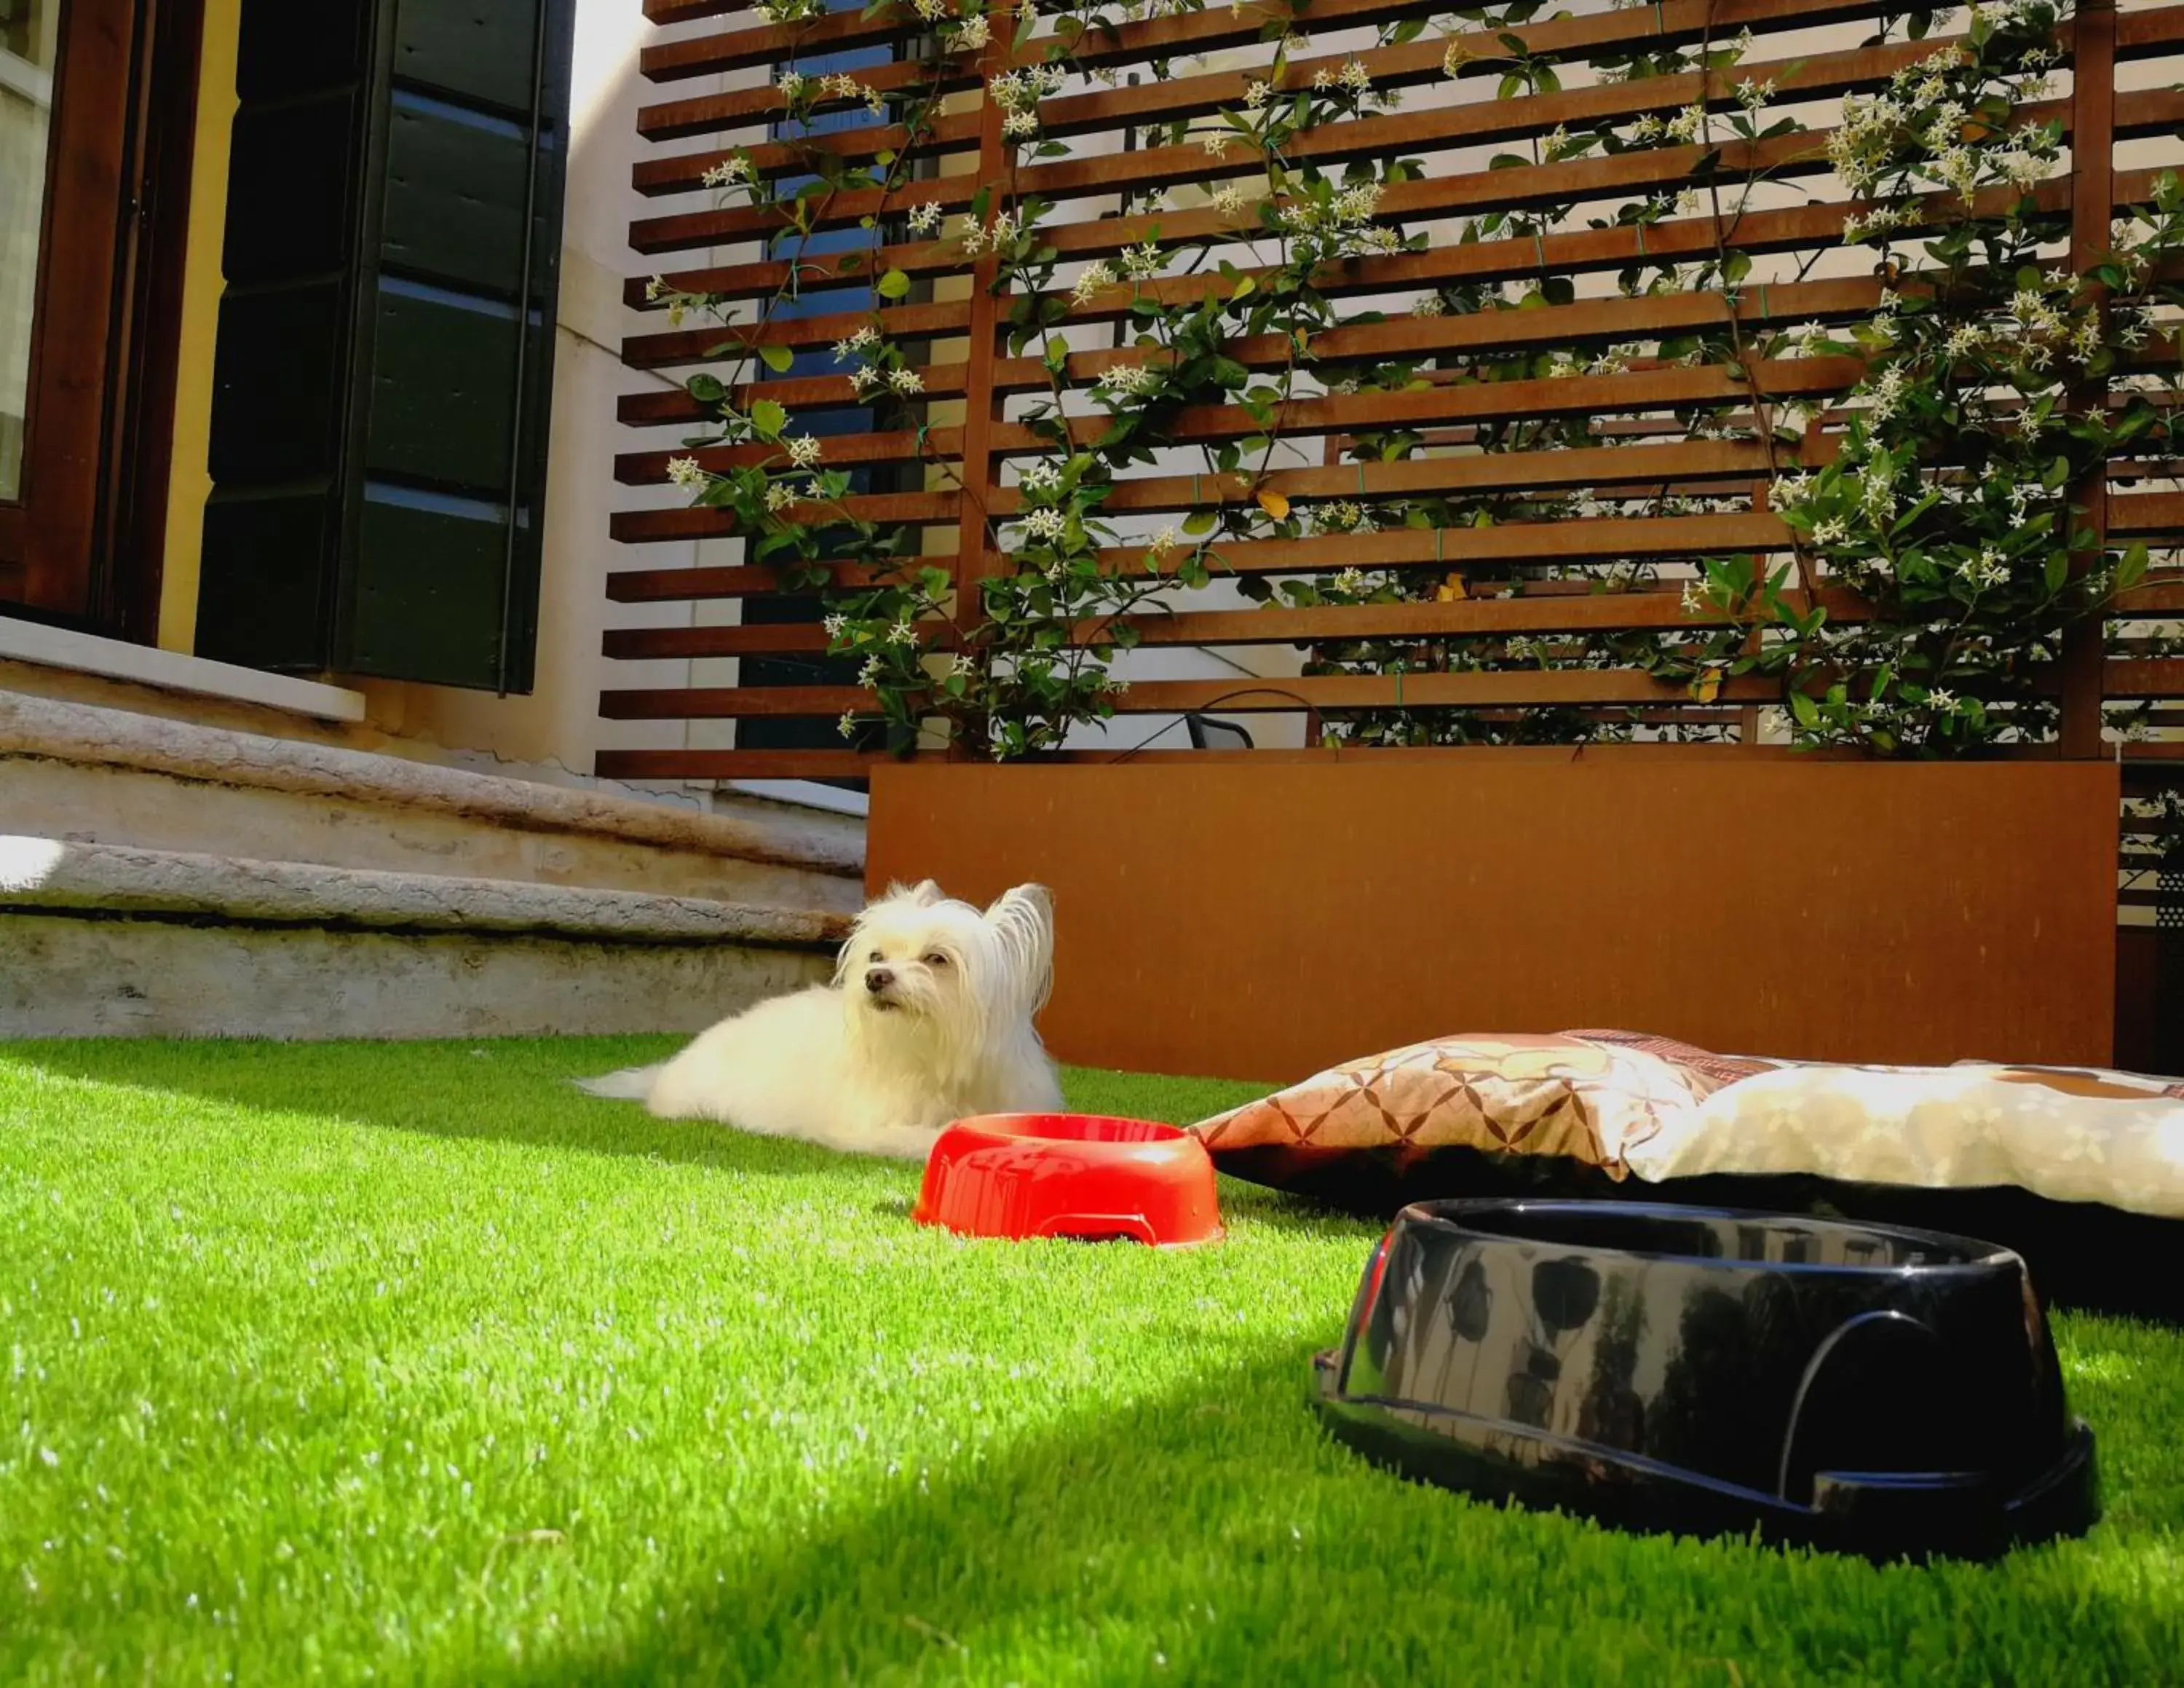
(29, 32)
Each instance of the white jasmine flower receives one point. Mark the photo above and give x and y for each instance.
(1091, 281)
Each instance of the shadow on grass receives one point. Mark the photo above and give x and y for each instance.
(519, 1091)
(1213, 1534)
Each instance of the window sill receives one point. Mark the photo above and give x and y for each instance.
(85, 653)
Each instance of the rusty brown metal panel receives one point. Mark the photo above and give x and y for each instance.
(1263, 921)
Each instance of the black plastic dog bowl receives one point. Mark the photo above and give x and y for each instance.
(1706, 1372)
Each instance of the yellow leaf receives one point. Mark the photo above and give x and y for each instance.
(1706, 687)
(1455, 588)
(1274, 504)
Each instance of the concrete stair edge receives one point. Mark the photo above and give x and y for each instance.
(53, 876)
(32, 726)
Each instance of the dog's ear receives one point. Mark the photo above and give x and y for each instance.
(923, 895)
(1024, 919)
(1035, 899)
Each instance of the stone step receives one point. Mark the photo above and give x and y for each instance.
(104, 940)
(93, 774)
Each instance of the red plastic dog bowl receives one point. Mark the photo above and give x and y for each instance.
(1070, 1175)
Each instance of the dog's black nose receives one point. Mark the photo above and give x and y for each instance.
(877, 978)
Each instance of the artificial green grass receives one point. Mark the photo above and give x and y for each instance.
(408, 1363)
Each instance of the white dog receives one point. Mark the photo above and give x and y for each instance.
(929, 1020)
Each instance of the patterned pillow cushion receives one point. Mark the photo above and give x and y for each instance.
(2066, 1134)
(1456, 1112)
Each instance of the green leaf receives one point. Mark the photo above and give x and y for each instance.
(1200, 521)
(1807, 711)
(894, 285)
(769, 419)
(777, 358)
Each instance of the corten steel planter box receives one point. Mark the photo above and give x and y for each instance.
(1262, 920)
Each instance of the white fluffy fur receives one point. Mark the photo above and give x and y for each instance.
(882, 1072)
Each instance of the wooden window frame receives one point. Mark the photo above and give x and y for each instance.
(82, 546)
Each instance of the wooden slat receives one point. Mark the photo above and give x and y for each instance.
(644, 468)
(2146, 516)
(1614, 539)
(1576, 543)
(849, 765)
(1585, 322)
(763, 639)
(636, 526)
(668, 407)
(1561, 612)
(2159, 598)
(1572, 396)
(1583, 467)
(1683, 464)
(1526, 688)
(2142, 677)
(1599, 613)
(1238, 696)
(709, 342)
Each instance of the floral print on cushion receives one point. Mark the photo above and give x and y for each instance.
(2071, 1135)
(1589, 1098)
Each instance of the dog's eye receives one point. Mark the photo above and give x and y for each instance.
(936, 959)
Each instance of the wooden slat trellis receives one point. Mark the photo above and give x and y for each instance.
(1671, 469)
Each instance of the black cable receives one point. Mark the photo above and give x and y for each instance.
(1214, 703)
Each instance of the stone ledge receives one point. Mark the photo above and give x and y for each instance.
(116, 659)
(50, 876)
(62, 976)
(87, 734)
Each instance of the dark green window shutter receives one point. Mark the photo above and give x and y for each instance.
(384, 371)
